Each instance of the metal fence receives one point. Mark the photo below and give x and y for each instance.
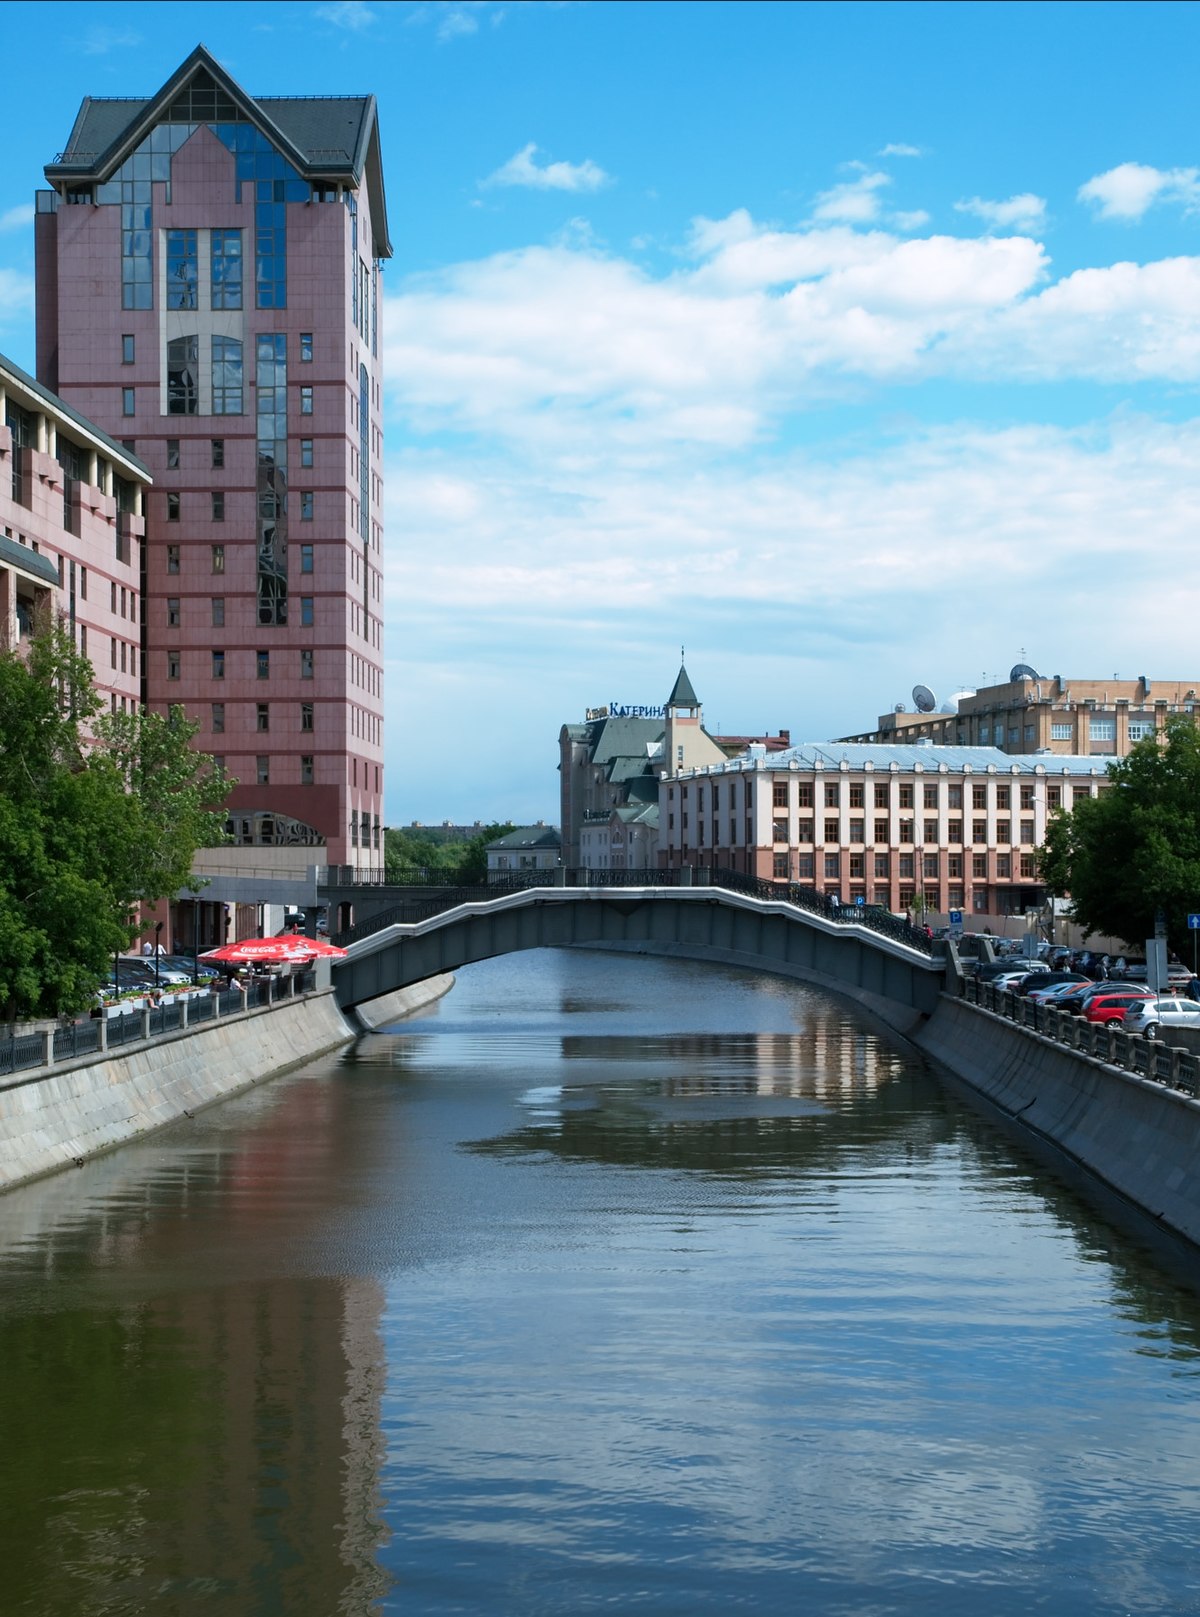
(89, 1035)
(1105, 1041)
(807, 899)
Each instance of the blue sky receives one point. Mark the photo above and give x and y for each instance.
(850, 346)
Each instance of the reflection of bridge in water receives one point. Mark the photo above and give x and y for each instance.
(882, 962)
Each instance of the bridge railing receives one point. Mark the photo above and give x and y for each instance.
(1105, 1041)
(408, 911)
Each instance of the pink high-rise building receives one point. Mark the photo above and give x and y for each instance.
(208, 293)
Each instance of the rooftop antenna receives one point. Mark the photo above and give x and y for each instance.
(923, 699)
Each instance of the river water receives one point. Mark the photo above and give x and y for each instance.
(608, 1284)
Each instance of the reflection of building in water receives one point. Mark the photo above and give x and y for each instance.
(216, 1422)
(828, 1056)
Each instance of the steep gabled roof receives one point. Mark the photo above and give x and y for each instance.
(321, 136)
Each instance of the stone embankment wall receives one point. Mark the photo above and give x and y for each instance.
(1140, 1137)
(58, 1117)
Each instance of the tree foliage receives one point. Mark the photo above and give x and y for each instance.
(99, 814)
(448, 856)
(1134, 850)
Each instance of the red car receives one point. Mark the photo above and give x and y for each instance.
(1110, 1004)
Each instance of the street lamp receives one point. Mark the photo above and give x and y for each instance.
(158, 926)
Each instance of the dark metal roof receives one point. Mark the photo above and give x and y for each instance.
(122, 456)
(29, 561)
(319, 135)
(683, 695)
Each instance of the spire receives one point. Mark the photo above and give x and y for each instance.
(683, 695)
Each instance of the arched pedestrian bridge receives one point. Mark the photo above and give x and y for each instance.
(890, 970)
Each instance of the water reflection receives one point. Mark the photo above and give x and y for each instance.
(607, 1284)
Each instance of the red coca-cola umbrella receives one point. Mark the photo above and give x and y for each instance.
(287, 951)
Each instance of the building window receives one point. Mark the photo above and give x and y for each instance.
(181, 269)
(306, 505)
(1102, 730)
(882, 861)
(1027, 833)
(172, 665)
(172, 454)
(306, 664)
(929, 865)
(1004, 866)
(218, 717)
(906, 830)
(780, 866)
(857, 870)
(183, 379)
(779, 794)
(172, 507)
(832, 833)
(262, 766)
(833, 865)
(833, 793)
(1003, 797)
(226, 269)
(906, 866)
(906, 797)
(218, 452)
(306, 401)
(1140, 729)
(127, 401)
(306, 558)
(1060, 732)
(263, 664)
(881, 794)
(1026, 797)
(978, 830)
(128, 347)
(978, 865)
(306, 769)
(804, 831)
(881, 831)
(955, 829)
(172, 611)
(306, 715)
(930, 830)
(1003, 830)
(306, 451)
(856, 797)
(779, 831)
(218, 665)
(262, 716)
(172, 558)
(1054, 797)
(929, 797)
(954, 797)
(226, 376)
(1028, 866)
(306, 611)
(806, 866)
(218, 558)
(218, 611)
(804, 794)
(306, 347)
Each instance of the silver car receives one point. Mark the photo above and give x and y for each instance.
(1147, 1016)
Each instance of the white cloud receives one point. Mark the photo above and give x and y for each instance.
(17, 218)
(897, 148)
(99, 40)
(454, 23)
(854, 202)
(1024, 212)
(523, 170)
(917, 219)
(352, 15)
(1129, 190)
(16, 297)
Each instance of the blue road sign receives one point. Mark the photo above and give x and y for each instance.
(956, 918)
(1194, 923)
(859, 899)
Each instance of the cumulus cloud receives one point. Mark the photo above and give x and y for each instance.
(1129, 190)
(16, 297)
(1024, 212)
(17, 218)
(897, 148)
(855, 202)
(523, 170)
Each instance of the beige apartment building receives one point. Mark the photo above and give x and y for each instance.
(1084, 718)
(957, 827)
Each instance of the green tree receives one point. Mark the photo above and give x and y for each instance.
(98, 815)
(472, 868)
(1135, 849)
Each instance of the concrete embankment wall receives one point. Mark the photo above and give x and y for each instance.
(56, 1118)
(388, 1008)
(1139, 1137)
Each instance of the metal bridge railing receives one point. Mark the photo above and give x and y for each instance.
(408, 911)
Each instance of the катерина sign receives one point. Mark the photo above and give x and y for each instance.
(626, 710)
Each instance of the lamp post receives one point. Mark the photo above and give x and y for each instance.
(158, 926)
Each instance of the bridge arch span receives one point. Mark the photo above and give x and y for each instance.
(895, 980)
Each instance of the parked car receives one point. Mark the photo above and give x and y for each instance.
(1010, 967)
(1148, 1016)
(1052, 993)
(1037, 982)
(1110, 1004)
(204, 971)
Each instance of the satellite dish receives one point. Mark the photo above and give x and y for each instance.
(948, 707)
(1023, 671)
(899, 708)
(923, 699)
